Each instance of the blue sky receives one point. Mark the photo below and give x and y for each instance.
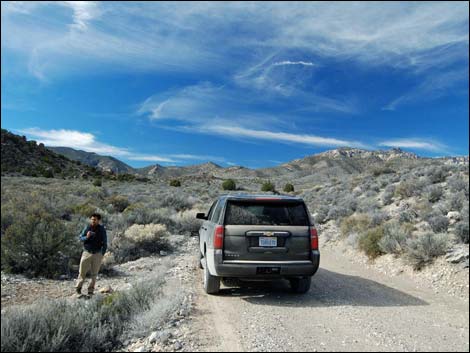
(252, 84)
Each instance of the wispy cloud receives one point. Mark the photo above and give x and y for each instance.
(87, 142)
(432, 87)
(419, 144)
(83, 12)
(404, 34)
(206, 103)
(287, 62)
(312, 140)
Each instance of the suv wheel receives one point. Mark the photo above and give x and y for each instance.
(211, 283)
(300, 285)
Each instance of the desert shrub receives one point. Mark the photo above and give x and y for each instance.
(407, 216)
(438, 222)
(268, 186)
(423, 249)
(119, 202)
(405, 189)
(47, 173)
(97, 182)
(458, 183)
(382, 170)
(140, 213)
(140, 240)
(355, 224)
(337, 213)
(368, 205)
(387, 196)
(437, 174)
(434, 193)
(369, 242)
(125, 177)
(186, 222)
(85, 209)
(321, 214)
(288, 187)
(465, 212)
(349, 203)
(456, 201)
(423, 208)
(37, 245)
(178, 202)
(7, 217)
(461, 229)
(58, 326)
(394, 238)
(377, 218)
(175, 183)
(229, 184)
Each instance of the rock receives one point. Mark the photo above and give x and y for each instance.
(163, 253)
(454, 216)
(164, 336)
(141, 349)
(106, 289)
(178, 345)
(153, 337)
(457, 256)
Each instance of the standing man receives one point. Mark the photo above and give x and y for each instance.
(95, 243)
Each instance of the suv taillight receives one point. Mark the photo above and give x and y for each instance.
(219, 237)
(313, 239)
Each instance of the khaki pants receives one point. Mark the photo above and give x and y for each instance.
(89, 262)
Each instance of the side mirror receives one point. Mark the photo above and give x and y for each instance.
(201, 216)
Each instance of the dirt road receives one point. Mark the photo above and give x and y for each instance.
(348, 308)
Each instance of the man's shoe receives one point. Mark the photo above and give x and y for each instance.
(78, 290)
(90, 292)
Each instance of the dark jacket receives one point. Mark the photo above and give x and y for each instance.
(97, 242)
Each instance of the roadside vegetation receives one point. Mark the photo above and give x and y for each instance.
(99, 324)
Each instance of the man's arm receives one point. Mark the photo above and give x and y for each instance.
(82, 235)
(105, 242)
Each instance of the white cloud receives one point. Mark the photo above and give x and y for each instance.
(200, 36)
(74, 139)
(150, 158)
(287, 62)
(83, 12)
(87, 142)
(241, 132)
(419, 144)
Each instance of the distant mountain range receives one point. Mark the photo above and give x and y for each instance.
(105, 163)
(21, 156)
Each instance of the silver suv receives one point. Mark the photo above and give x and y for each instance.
(258, 237)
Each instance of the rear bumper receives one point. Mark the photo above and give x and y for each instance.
(234, 268)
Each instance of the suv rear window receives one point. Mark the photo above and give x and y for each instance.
(266, 213)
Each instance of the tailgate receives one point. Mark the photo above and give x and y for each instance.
(277, 231)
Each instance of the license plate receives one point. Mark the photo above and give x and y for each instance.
(268, 242)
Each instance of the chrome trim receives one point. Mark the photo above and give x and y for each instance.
(262, 233)
(300, 262)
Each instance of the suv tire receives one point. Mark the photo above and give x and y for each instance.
(300, 285)
(211, 283)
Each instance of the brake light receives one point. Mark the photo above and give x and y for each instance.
(219, 237)
(313, 239)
